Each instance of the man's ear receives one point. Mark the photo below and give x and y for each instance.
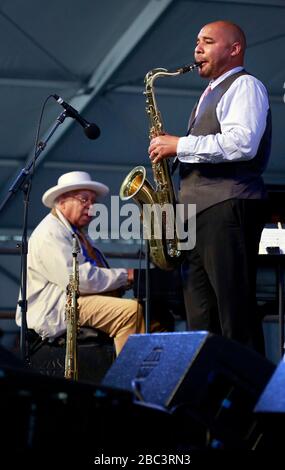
(236, 49)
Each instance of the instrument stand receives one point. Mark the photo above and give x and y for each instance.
(23, 182)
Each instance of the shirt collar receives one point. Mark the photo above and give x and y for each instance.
(214, 83)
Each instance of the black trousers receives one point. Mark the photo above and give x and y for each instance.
(219, 274)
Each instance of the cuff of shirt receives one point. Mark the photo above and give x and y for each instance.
(184, 149)
(182, 146)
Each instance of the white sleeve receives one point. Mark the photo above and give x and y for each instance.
(54, 260)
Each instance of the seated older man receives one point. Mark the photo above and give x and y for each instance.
(50, 264)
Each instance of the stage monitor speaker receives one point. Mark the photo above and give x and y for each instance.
(272, 399)
(270, 410)
(217, 380)
(170, 368)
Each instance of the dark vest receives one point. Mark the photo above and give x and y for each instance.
(206, 184)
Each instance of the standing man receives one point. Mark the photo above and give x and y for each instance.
(50, 264)
(221, 161)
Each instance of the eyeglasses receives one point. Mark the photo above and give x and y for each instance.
(84, 200)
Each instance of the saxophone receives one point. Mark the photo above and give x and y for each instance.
(71, 314)
(164, 251)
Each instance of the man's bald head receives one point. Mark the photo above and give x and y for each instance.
(220, 47)
(235, 33)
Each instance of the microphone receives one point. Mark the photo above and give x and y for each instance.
(91, 130)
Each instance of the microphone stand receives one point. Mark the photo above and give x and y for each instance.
(23, 182)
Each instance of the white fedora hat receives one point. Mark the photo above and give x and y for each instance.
(69, 182)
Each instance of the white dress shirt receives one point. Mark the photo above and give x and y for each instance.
(49, 268)
(242, 113)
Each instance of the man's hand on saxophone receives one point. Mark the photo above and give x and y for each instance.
(163, 146)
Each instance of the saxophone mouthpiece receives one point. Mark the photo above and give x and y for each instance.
(189, 68)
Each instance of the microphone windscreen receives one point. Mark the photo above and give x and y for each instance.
(92, 131)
